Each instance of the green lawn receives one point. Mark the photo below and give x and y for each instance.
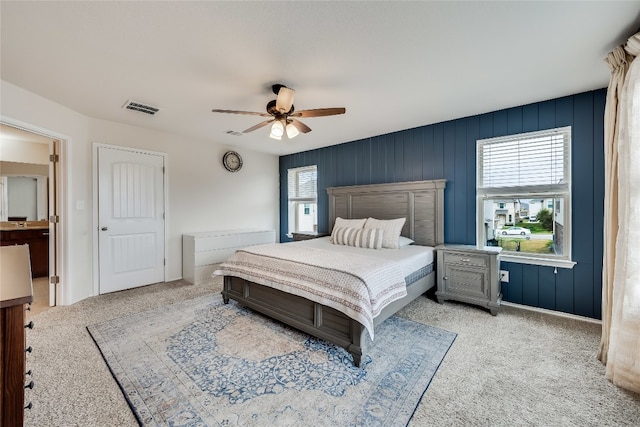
(531, 246)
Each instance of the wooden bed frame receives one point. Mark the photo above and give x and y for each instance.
(421, 202)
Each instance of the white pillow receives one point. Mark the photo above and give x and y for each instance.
(370, 238)
(391, 227)
(404, 241)
(350, 223)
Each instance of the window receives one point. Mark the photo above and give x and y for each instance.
(530, 173)
(303, 199)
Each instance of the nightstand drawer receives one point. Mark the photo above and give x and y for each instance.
(466, 281)
(466, 259)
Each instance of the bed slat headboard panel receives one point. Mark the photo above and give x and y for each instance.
(420, 202)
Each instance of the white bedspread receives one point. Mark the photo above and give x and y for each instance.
(357, 285)
(410, 258)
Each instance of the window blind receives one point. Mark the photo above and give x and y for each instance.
(302, 183)
(538, 160)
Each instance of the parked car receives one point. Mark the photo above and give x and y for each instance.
(515, 231)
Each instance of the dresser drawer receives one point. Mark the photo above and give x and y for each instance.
(466, 259)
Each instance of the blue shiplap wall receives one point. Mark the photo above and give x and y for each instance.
(447, 150)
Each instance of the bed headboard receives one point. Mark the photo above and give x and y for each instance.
(421, 202)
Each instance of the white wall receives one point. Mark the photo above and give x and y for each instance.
(202, 195)
(24, 152)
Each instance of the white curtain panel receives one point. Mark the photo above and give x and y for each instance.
(618, 62)
(623, 359)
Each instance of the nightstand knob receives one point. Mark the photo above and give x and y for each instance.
(445, 278)
(29, 325)
(29, 349)
(29, 406)
(30, 385)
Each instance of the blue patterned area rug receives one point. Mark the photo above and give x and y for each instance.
(204, 363)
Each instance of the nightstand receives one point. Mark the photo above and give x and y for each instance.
(469, 274)
(307, 235)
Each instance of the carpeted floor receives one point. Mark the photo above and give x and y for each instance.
(518, 368)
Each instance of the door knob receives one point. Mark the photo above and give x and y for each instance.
(104, 229)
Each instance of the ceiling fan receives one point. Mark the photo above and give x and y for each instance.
(282, 114)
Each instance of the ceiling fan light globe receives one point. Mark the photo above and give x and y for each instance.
(277, 129)
(284, 100)
(277, 138)
(292, 131)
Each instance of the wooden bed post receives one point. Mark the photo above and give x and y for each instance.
(356, 342)
(225, 289)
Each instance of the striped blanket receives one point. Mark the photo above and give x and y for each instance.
(356, 285)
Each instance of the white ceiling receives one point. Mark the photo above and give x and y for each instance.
(393, 65)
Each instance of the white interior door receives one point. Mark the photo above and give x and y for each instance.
(54, 221)
(130, 218)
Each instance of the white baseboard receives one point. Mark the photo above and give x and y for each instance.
(552, 312)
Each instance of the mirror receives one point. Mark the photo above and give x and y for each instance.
(24, 172)
(23, 198)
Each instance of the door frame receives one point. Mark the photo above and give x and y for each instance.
(96, 224)
(60, 262)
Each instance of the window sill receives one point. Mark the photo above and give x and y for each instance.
(550, 262)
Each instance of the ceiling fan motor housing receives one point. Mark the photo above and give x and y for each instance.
(276, 88)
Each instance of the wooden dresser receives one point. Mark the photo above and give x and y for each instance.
(15, 292)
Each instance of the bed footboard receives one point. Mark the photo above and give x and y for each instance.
(314, 318)
(308, 316)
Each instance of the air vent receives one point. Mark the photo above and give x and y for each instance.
(136, 106)
(233, 132)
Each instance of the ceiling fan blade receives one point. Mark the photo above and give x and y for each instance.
(319, 112)
(251, 113)
(284, 100)
(300, 126)
(258, 126)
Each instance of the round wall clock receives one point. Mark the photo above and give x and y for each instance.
(232, 161)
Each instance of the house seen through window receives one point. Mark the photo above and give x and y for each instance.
(303, 199)
(524, 195)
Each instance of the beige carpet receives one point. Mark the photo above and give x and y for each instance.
(519, 368)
